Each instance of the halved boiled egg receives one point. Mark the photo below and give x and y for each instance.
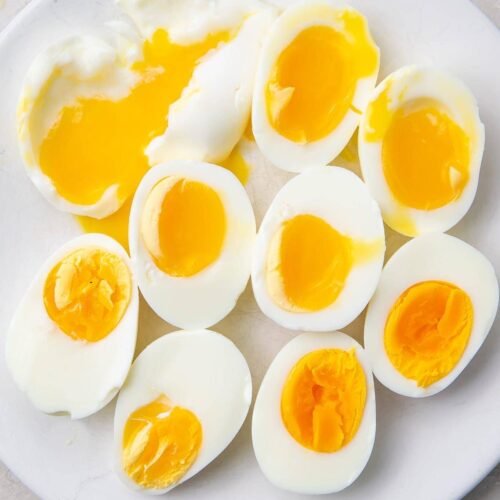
(434, 306)
(313, 425)
(184, 400)
(192, 231)
(319, 251)
(71, 340)
(421, 143)
(317, 69)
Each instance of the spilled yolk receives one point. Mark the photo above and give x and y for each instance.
(87, 293)
(309, 261)
(427, 331)
(160, 443)
(312, 84)
(237, 164)
(183, 226)
(323, 399)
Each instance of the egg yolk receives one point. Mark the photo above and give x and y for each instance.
(313, 82)
(309, 261)
(183, 226)
(87, 293)
(323, 399)
(427, 331)
(160, 443)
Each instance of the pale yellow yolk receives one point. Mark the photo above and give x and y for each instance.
(98, 143)
(312, 84)
(183, 226)
(160, 443)
(87, 293)
(427, 331)
(309, 261)
(323, 399)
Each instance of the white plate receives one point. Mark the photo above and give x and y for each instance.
(433, 448)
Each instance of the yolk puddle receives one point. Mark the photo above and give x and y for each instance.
(237, 164)
(323, 399)
(427, 330)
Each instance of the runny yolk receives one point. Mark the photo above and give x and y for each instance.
(87, 293)
(312, 84)
(309, 261)
(160, 443)
(183, 226)
(425, 156)
(323, 399)
(427, 330)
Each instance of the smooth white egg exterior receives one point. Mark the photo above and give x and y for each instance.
(438, 257)
(201, 300)
(413, 82)
(200, 370)
(282, 152)
(59, 374)
(285, 462)
(340, 198)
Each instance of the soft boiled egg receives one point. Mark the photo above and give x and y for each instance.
(313, 424)
(184, 400)
(96, 111)
(319, 251)
(191, 237)
(432, 310)
(420, 147)
(317, 69)
(71, 340)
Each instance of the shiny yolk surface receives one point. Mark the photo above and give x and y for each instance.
(312, 83)
(183, 226)
(160, 443)
(323, 399)
(87, 293)
(427, 330)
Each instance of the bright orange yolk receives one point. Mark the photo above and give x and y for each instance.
(323, 399)
(309, 261)
(183, 226)
(425, 156)
(160, 443)
(87, 293)
(427, 331)
(312, 84)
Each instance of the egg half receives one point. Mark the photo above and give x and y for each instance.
(421, 143)
(70, 343)
(433, 308)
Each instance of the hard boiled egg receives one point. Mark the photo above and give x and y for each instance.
(319, 251)
(434, 306)
(313, 424)
(184, 400)
(316, 71)
(420, 146)
(192, 231)
(71, 341)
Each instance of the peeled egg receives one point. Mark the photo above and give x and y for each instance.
(313, 425)
(319, 251)
(191, 236)
(433, 308)
(184, 400)
(420, 147)
(317, 68)
(71, 341)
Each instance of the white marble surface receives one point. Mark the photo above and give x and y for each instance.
(12, 488)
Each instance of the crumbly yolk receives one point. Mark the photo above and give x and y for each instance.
(87, 293)
(98, 143)
(323, 399)
(427, 331)
(312, 83)
(309, 261)
(183, 225)
(160, 443)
